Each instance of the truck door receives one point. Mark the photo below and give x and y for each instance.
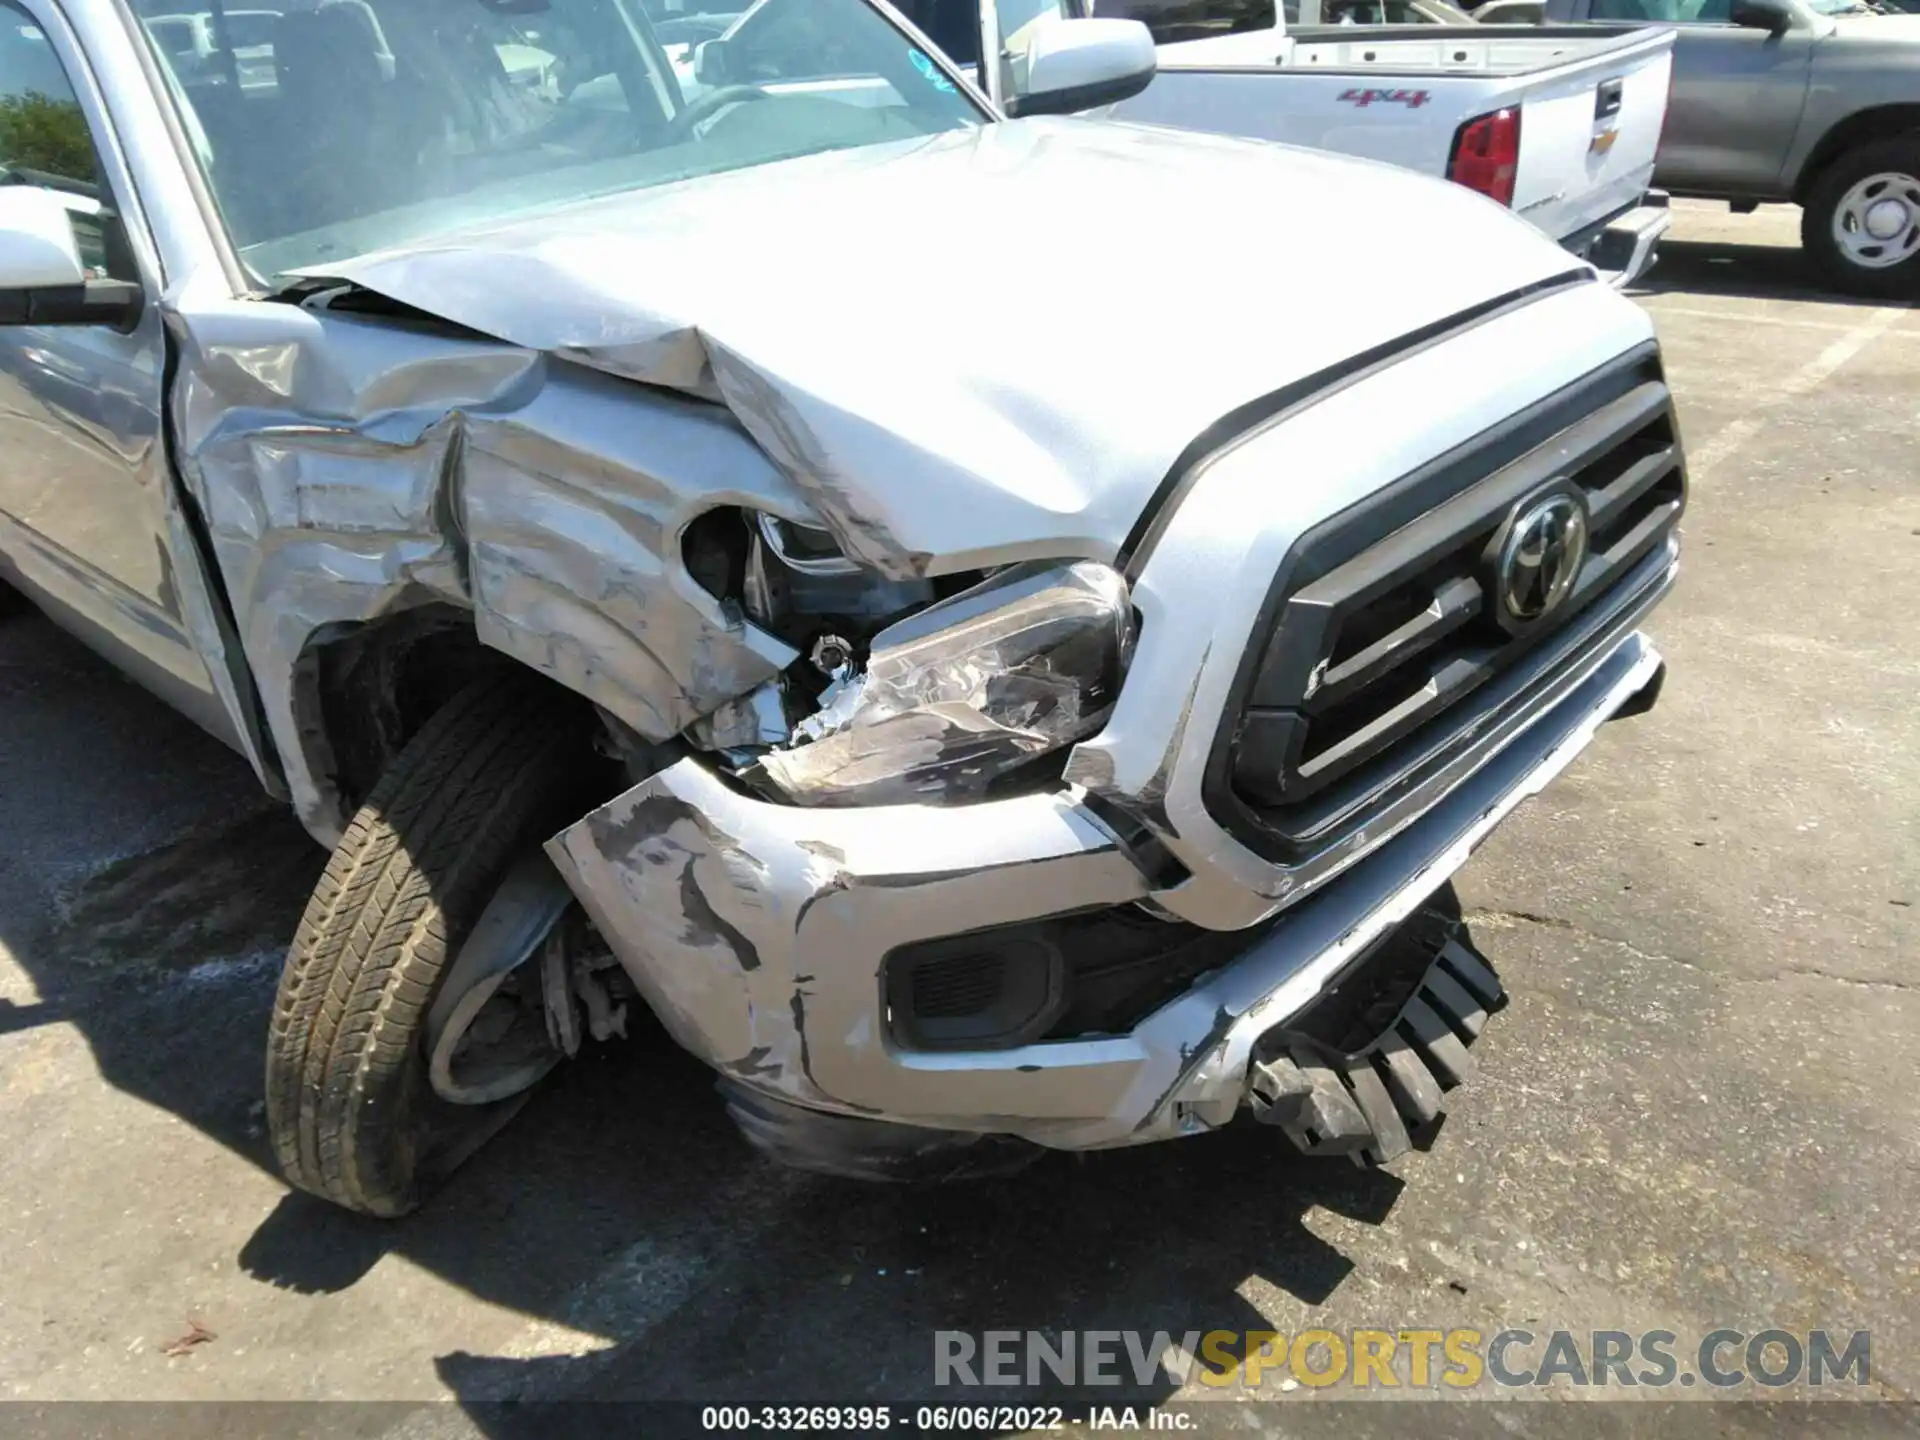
(1736, 98)
(84, 480)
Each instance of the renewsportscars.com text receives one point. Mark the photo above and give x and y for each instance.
(1457, 1359)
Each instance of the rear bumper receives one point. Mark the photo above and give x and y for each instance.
(1625, 250)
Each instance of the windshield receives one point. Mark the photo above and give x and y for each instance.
(332, 129)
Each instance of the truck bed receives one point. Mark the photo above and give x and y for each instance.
(1591, 101)
(1492, 50)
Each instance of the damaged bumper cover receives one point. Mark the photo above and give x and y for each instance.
(760, 934)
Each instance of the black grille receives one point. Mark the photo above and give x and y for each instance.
(958, 985)
(1386, 618)
(986, 990)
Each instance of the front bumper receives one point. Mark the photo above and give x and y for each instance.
(758, 934)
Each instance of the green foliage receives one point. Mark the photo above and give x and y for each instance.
(38, 132)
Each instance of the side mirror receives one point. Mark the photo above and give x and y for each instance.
(38, 250)
(712, 65)
(1768, 15)
(43, 280)
(1078, 64)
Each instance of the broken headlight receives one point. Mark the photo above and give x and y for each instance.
(966, 691)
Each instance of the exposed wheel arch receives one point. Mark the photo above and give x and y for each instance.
(362, 691)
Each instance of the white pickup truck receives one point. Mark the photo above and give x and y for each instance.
(1559, 124)
(711, 559)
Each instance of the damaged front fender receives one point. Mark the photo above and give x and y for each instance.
(352, 468)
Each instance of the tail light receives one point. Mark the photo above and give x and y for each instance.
(1486, 155)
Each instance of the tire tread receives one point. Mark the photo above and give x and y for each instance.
(345, 1067)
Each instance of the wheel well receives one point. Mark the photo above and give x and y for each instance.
(1883, 122)
(362, 691)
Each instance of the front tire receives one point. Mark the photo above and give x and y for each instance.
(1860, 225)
(351, 1113)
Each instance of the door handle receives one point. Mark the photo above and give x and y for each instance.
(1606, 99)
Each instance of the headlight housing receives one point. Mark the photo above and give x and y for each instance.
(967, 691)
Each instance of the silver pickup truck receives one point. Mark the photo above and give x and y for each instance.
(750, 561)
(1816, 102)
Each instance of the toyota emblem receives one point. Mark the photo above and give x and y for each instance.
(1542, 557)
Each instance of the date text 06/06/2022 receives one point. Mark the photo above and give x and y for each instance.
(938, 1419)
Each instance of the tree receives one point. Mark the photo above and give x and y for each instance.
(38, 132)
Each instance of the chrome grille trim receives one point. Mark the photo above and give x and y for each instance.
(1379, 650)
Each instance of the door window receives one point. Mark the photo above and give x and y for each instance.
(1665, 12)
(43, 132)
(44, 140)
(1373, 12)
(1174, 21)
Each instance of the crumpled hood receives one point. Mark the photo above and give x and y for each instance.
(992, 344)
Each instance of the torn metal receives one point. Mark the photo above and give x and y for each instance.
(350, 469)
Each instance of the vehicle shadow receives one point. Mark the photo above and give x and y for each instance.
(620, 1205)
(1759, 272)
(1181, 1241)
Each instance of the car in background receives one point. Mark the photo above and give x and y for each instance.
(196, 45)
(1511, 12)
(1375, 12)
(1559, 126)
(191, 41)
(1814, 103)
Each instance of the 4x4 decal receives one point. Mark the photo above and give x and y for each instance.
(1412, 99)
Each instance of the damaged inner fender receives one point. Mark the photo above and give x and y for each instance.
(387, 475)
